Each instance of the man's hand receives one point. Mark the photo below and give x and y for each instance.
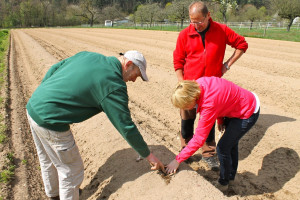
(179, 74)
(155, 163)
(172, 167)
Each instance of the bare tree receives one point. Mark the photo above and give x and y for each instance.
(179, 11)
(88, 11)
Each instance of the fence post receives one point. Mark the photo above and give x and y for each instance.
(265, 30)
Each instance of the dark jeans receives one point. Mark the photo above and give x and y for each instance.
(227, 147)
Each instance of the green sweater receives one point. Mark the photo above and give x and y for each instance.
(80, 87)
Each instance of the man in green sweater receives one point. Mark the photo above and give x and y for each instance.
(72, 91)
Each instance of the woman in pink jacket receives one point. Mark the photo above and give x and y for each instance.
(236, 111)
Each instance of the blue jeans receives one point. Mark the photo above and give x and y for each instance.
(227, 147)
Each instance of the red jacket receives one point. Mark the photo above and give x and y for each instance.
(196, 61)
(219, 98)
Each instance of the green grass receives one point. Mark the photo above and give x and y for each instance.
(3, 138)
(274, 34)
(4, 44)
(6, 175)
(8, 170)
(271, 33)
(24, 161)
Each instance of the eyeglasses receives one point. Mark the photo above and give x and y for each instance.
(198, 23)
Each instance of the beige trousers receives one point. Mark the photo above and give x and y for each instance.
(61, 164)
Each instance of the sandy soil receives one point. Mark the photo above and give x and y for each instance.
(269, 154)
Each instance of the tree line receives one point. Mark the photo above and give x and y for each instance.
(48, 13)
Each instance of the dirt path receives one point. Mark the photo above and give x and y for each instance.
(269, 153)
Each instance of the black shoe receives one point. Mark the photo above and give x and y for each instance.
(212, 163)
(54, 198)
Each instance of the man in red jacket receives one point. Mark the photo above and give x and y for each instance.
(199, 52)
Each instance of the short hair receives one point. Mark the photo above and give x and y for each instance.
(200, 7)
(185, 93)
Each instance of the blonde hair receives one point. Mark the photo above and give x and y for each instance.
(185, 93)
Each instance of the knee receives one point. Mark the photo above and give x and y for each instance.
(222, 149)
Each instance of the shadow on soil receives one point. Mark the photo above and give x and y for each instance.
(278, 167)
(256, 133)
(273, 174)
(108, 180)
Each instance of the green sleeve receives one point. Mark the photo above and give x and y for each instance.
(115, 105)
(53, 69)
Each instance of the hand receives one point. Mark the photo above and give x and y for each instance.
(155, 163)
(180, 79)
(172, 167)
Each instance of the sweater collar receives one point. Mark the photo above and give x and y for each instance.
(192, 30)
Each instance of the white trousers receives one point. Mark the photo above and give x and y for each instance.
(60, 161)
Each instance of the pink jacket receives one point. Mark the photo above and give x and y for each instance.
(219, 98)
(197, 61)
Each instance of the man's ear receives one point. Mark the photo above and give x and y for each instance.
(208, 14)
(128, 64)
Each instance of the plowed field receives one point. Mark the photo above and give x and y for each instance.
(269, 154)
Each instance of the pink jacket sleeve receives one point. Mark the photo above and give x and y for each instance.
(206, 121)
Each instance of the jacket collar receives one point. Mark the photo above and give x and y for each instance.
(192, 30)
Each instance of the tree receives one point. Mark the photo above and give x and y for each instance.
(30, 12)
(288, 9)
(45, 6)
(112, 13)
(225, 5)
(179, 11)
(256, 3)
(140, 14)
(250, 13)
(88, 11)
(70, 17)
(151, 12)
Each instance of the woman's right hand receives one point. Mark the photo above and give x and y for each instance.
(172, 167)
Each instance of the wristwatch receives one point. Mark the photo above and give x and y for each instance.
(226, 65)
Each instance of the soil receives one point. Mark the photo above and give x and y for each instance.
(269, 160)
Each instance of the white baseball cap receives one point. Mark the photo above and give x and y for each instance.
(139, 60)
